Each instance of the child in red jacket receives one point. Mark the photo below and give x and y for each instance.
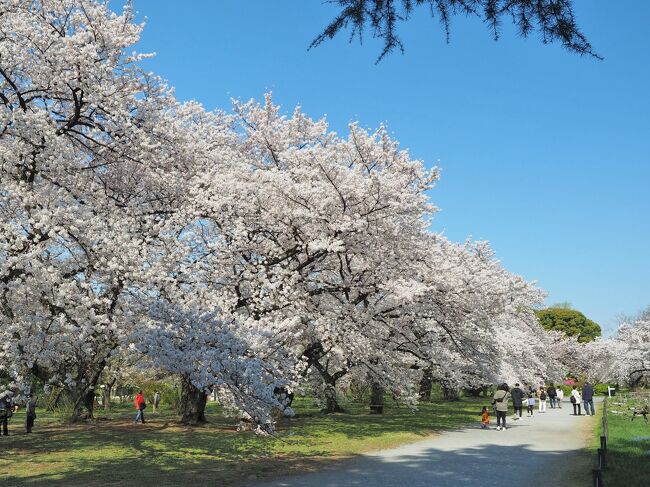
(485, 418)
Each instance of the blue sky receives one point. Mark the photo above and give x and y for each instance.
(543, 153)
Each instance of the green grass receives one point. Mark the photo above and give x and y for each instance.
(113, 451)
(628, 447)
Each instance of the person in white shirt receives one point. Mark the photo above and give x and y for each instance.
(156, 401)
(542, 399)
(576, 400)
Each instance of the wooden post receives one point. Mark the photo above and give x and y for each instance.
(602, 458)
(605, 422)
(598, 477)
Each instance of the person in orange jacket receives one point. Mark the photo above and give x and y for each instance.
(140, 404)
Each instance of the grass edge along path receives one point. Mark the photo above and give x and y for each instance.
(113, 451)
(578, 472)
(628, 446)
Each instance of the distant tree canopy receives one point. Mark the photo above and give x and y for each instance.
(570, 322)
(553, 19)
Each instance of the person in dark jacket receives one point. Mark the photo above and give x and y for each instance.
(552, 395)
(6, 410)
(517, 400)
(588, 398)
(30, 414)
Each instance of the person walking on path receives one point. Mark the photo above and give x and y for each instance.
(588, 398)
(576, 399)
(560, 395)
(552, 395)
(30, 414)
(517, 400)
(156, 401)
(6, 410)
(500, 402)
(542, 400)
(531, 390)
(531, 404)
(485, 418)
(140, 404)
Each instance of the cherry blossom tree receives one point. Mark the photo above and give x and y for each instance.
(325, 239)
(83, 154)
(311, 230)
(634, 362)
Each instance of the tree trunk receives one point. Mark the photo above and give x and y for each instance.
(84, 403)
(193, 400)
(475, 392)
(53, 403)
(376, 399)
(449, 393)
(107, 397)
(426, 385)
(84, 397)
(313, 354)
(331, 402)
(108, 388)
(89, 403)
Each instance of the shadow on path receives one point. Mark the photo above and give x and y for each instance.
(487, 465)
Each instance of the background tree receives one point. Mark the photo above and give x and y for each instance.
(552, 19)
(569, 321)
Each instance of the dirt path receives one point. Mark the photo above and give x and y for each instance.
(539, 451)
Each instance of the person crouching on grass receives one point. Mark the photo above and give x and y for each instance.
(485, 418)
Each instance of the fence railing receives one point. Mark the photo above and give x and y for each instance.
(623, 399)
(602, 451)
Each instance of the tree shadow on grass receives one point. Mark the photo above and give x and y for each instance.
(116, 452)
(155, 453)
(486, 465)
(359, 424)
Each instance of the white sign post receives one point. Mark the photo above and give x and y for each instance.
(610, 390)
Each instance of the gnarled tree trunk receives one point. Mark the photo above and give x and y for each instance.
(376, 398)
(449, 392)
(84, 397)
(83, 403)
(426, 385)
(193, 400)
(331, 401)
(313, 354)
(108, 389)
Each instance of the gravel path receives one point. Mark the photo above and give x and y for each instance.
(533, 451)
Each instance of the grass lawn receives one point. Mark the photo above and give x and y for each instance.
(628, 448)
(113, 451)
